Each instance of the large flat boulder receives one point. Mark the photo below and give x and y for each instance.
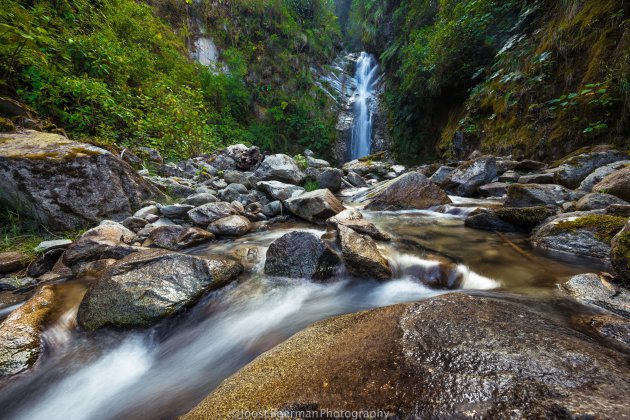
(300, 255)
(281, 168)
(409, 191)
(532, 195)
(573, 170)
(175, 238)
(468, 177)
(617, 184)
(452, 356)
(315, 206)
(64, 184)
(145, 287)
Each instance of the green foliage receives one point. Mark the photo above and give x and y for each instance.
(115, 72)
(311, 185)
(301, 161)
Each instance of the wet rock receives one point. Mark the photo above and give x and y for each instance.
(200, 199)
(509, 177)
(53, 244)
(330, 178)
(592, 290)
(45, 262)
(526, 218)
(11, 262)
(610, 327)
(354, 220)
(362, 257)
(505, 165)
(280, 168)
(620, 254)
(104, 241)
(92, 269)
(237, 177)
(315, 206)
(301, 255)
(233, 192)
(175, 238)
(356, 180)
(528, 165)
(230, 226)
(410, 191)
(176, 211)
(595, 201)
(441, 174)
(532, 195)
(617, 184)
(66, 185)
(145, 287)
(20, 341)
(490, 359)
(544, 178)
(466, 178)
(208, 213)
(485, 219)
(579, 234)
(572, 171)
(494, 189)
(134, 223)
(600, 173)
(272, 209)
(13, 283)
(280, 190)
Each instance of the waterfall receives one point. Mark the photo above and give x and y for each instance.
(365, 77)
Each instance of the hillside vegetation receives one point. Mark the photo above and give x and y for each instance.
(118, 72)
(536, 78)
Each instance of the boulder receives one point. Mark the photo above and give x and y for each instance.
(493, 189)
(45, 262)
(409, 191)
(176, 211)
(450, 356)
(200, 199)
(620, 254)
(245, 158)
(317, 163)
(486, 219)
(147, 154)
(279, 190)
(66, 185)
(11, 262)
(600, 173)
(441, 174)
(330, 178)
(108, 240)
(20, 332)
(354, 220)
(509, 177)
(356, 180)
(235, 225)
(528, 165)
(532, 195)
(208, 213)
(301, 255)
(362, 257)
(175, 238)
(146, 211)
(466, 178)
(579, 233)
(272, 209)
(280, 168)
(526, 218)
(233, 192)
(53, 244)
(237, 177)
(315, 206)
(145, 287)
(591, 289)
(366, 166)
(595, 201)
(134, 223)
(572, 171)
(544, 178)
(617, 184)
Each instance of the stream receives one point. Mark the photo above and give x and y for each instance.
(164, 371)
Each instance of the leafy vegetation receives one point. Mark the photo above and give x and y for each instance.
(118, 72)
(511, 76)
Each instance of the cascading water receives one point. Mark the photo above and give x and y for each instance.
(365, 77)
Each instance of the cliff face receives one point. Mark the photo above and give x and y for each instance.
(532, 78)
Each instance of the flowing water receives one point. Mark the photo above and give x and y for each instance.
(366, 78)
(166, 370)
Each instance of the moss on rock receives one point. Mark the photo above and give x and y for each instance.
(604, 227)
(620, 254)
(525, 217)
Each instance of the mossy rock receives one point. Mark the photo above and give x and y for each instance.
(525, 217)
(604, 227)
(6, 125)
(620, 254)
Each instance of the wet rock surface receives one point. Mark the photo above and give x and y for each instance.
(315, 206)
(410, 191)
(301, 255)
(362, 256)
(143, 288)
(491, 359)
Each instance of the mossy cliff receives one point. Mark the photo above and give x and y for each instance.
(534, 78)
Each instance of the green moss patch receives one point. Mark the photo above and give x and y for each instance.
(604, 227)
